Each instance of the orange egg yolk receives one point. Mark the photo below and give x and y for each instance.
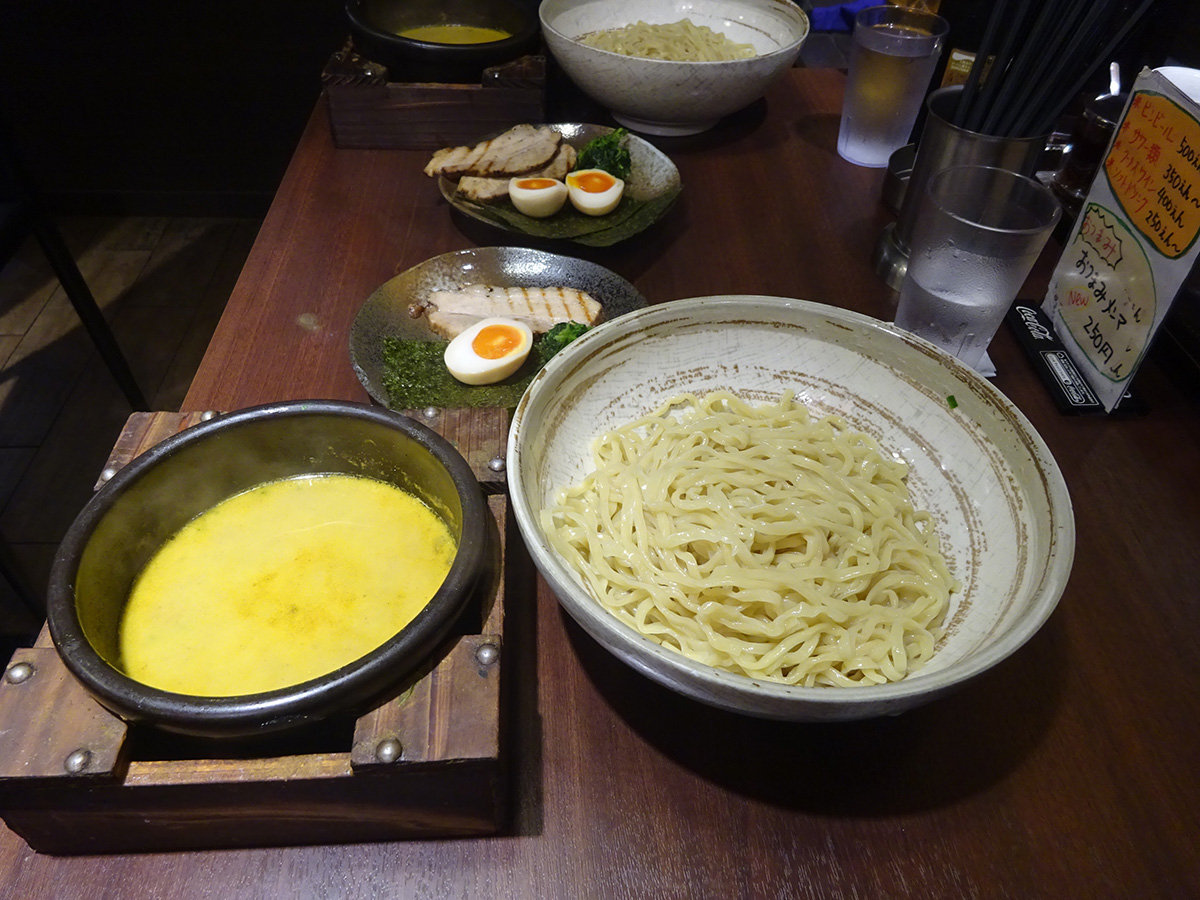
(535, 184)
(593, 182)
(496, 341)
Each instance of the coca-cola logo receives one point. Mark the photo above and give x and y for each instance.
(1030, 317)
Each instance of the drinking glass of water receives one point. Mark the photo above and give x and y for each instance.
(977, 233)
(892, 57)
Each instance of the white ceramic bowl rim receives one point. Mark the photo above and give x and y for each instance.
(668, 97)
(799, 38)
(773, 694)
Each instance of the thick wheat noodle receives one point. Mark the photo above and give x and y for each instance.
(681, 41)
(759, 540)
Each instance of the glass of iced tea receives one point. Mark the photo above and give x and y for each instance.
(892, 58)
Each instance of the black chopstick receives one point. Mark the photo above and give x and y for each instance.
(999, 76)
(1063, 64)
(1044, 42)
(1049, 114)
(967, 98)
(1041, 57)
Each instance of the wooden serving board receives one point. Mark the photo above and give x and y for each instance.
(428, 763)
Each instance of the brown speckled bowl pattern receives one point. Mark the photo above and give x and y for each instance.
(1003, 513)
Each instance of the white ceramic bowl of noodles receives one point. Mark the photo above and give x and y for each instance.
(655, 96)
(1003, 512)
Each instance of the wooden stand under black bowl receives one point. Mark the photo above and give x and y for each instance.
(428, 763)
(367, 111)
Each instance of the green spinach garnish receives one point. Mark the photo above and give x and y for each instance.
(607, 152)
(556, 338)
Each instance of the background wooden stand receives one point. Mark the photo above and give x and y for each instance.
(430, 762)
(366, 111)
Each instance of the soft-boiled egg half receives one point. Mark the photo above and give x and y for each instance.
(537, 196)
(488, 351)
(594, 192)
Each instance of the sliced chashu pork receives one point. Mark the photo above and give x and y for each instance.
(450, 312)
(488, 189)
(521, 149)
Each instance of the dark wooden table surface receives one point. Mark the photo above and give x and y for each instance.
(1070, 770)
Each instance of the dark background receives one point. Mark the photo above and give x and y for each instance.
(173, 107)
(193, 107)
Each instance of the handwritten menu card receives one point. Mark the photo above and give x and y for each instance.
(1135, 239)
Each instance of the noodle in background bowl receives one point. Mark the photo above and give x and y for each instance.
(655, 96)
(1002, 509)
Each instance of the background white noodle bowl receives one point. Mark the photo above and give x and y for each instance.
(758, 540)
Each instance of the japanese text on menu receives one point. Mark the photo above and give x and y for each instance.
(1106, 288)
(1153, 168)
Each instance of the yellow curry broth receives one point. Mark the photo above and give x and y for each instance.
(454, 34)
(283, 583)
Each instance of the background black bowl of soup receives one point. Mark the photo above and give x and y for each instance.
(147, 502)
(393, 33)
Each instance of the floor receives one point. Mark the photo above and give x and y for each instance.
(162, 283)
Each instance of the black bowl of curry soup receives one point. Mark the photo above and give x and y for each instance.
(268, 569)
(441, 40)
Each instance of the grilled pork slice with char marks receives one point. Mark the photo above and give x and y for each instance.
(450, 312)
(487, 189)
(449, 325)
(562, 163)
(482, 189)
(521, 149)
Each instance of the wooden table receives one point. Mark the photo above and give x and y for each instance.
(1070, 770)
